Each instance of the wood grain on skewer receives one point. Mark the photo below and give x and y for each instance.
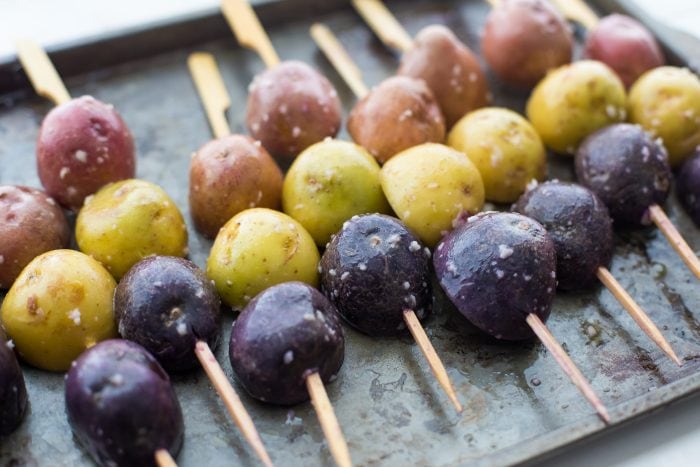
(434, 361)
(212, 91)
(42, 74)
(231, 400)
(384, 24)
(659, 217)
(639, 315)
(164, 459)
(567, 365)
(329, 423)
(339, 58)
(577, 10)
(246, 26)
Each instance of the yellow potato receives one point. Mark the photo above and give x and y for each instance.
(127, 221)
(59, 306)
(259, 248)
(504, 147)
(329, 183)
(430, 186)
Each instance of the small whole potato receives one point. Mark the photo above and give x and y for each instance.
(573, 101)
(688, 186)
(431, 187)
(13, 391)
(128, 221)
(533, 28)
(228, 175)
(259, 248)
(399, 113)
(665, 101)
(31, 223)
(60, 305)
(83, 145)
(329, 183)
(504, 147)
(449, 68)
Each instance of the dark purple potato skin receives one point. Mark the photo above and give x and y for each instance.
(284, 334)
(627, 169)
(167, 304)
(688, 186)
(121, 405)
(580, 226)
(496, 269)
(374, 269)
(290, 107)
(13, 392)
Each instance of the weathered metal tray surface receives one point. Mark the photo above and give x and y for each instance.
(518, 403)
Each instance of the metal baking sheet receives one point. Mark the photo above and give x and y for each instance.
(519, 405)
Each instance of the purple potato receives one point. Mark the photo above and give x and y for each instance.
(627, 169)
(497, 268)
(13, 392)
(688, 186)
(284, 334)
(167, 304)
(121, 405)
(580, 226)
(374, 269)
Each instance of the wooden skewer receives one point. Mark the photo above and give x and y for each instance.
(567, 365)
(577, 10)
(340, 59)
(384, 24)
(42, 74)
(329, 423)
(246, 26)
(212, 91)
(164, 459)
(231, 400)
(639, 315)
(659, 217)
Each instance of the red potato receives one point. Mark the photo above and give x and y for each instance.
(83, 145)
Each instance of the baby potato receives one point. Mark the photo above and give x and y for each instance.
(573, 101)
(59, 306)
(259, 248)
(665, 101)
(504, 147)
(430, 187)
(329, 183)
(127, 221)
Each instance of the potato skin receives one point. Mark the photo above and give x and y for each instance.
(628, 171)
(573, 101)
(688, 186)
(430, 187)
(495, 252)
(579, 225)
(329, 183)
(625, 45)
(399, 113)
(284, 334)
(83, 145)
(228, 175)
(259, 248)
(167, 304)
(121, 405)
(290, 107)
(449, 68)
(31, 223)
(13, 391)
(127, 221)
(504, 147)
(533, 28)
(60, 305)
(666, 102)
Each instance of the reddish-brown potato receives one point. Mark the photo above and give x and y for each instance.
(625, 45)
(31, 223)
(523, 39)
(450, 69)
(290, 107)
(228, 175)
(399, 113)
(83, 145)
